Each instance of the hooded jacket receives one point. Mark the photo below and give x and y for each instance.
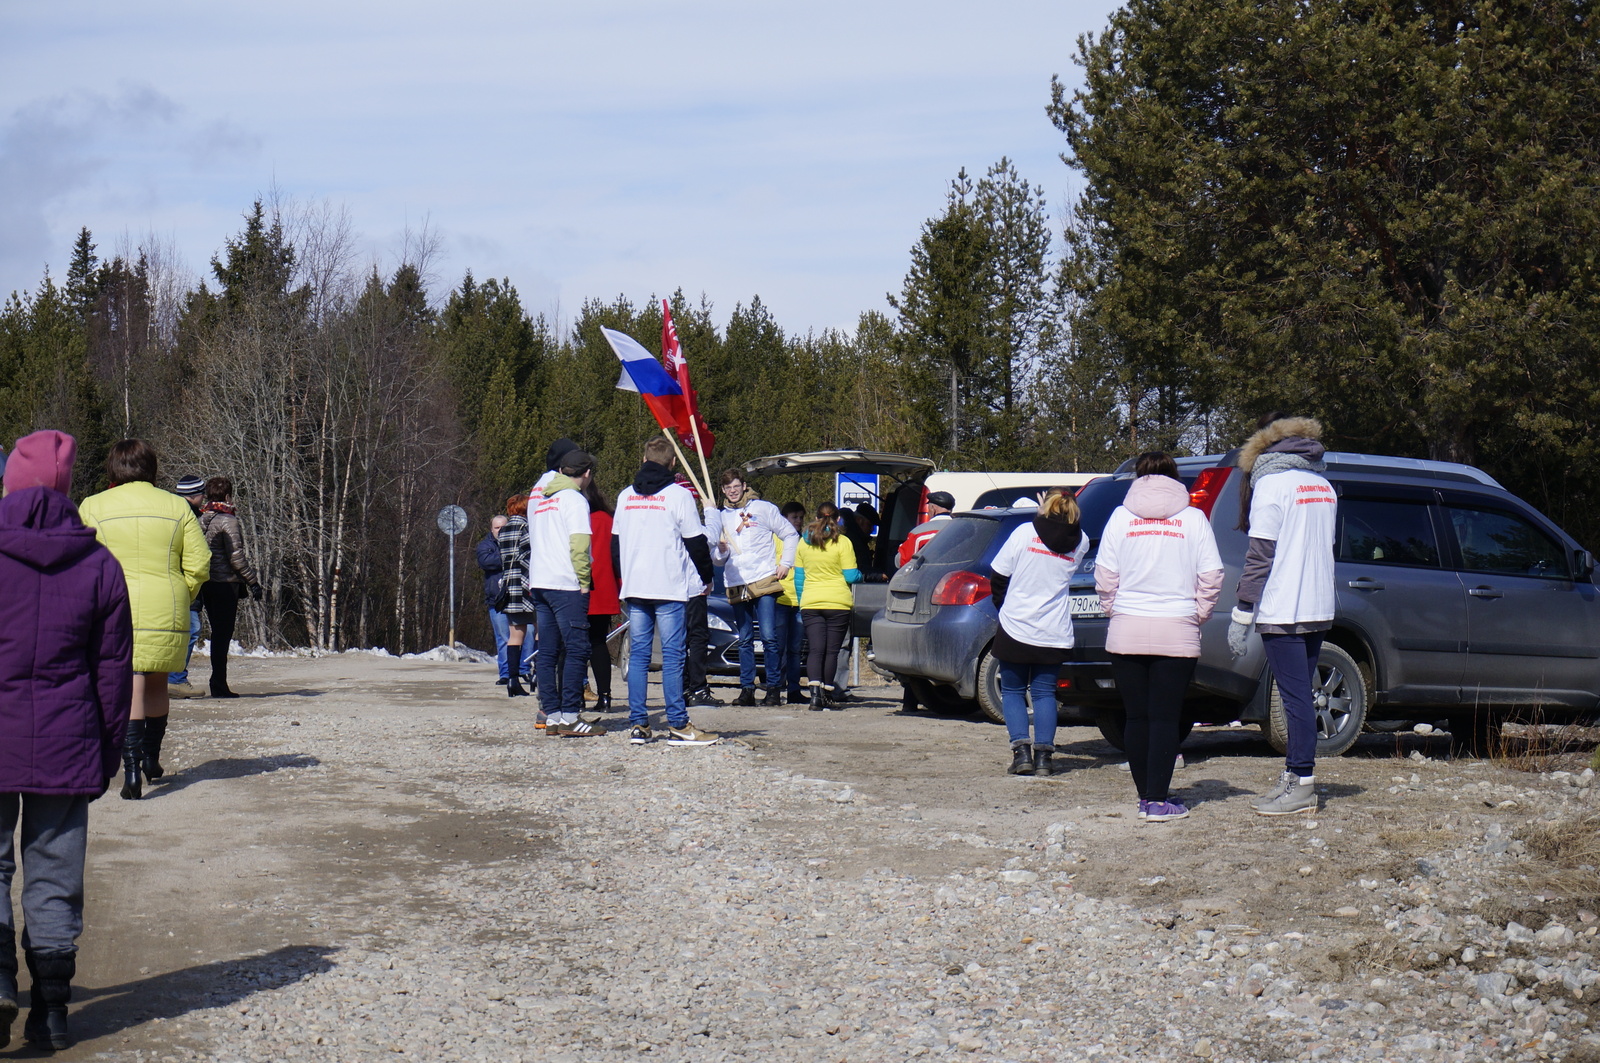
(1157, 571)
(651, 479)
(558, 552)
(164, 558)
(66, 650)
(1285, 444)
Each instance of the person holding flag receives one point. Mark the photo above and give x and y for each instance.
(658, 546)
(745, 536)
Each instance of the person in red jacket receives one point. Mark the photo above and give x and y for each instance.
(66, 691)
(603, 601)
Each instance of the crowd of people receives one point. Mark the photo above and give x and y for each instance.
(100, 607)
(563, 562)
(100, 615)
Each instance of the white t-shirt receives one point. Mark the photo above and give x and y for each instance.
(537, 494)
(551, 526)
(1296, 509)
(750, 531)
(1038, 609)
(650, 530)
(1157, 560)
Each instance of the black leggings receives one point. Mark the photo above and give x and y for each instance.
(222, 609)
(825, 632)
(600, 653)
(1152, 689)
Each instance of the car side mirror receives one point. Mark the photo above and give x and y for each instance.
(1583, 563)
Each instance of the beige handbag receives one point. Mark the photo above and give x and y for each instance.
(739, 593)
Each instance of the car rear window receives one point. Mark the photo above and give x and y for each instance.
(1007, 497)
(965, 539)
(1099, 498)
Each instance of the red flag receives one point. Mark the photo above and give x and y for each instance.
(678, 369)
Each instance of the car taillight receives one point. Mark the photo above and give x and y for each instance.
(961, 588)
(1208, 487)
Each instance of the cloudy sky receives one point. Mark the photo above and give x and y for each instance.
(586, 149)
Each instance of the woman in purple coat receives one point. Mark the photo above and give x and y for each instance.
(66, 688)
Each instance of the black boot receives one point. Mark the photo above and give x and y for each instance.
(774, 697)
(747, 696)
(155, 729)
(219, 678)
(602, 703)
(132, 754)
(818, 701)
(1021, 761)
(835, 698)
(514, 688)
(52, 990)
(1041, 760)
(8, 983)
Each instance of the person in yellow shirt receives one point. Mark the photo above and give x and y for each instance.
(825, 565)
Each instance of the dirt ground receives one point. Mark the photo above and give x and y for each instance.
(247, 868)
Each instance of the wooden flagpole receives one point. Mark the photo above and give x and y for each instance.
(699, 452)
(688, 470)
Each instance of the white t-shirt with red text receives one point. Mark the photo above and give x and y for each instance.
(1297, 509)
(1156, 560)
(551, 526)
(650, 530)
(1038, 608)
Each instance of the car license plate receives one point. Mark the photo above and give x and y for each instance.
(1086, 605)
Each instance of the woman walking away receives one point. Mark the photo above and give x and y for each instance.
(66, 659)
(1286, 589)
(604, 603)
(514, 590)
(232, 578)
(1158, 574)
(1032, 586)
(155, 535)
(825, 566)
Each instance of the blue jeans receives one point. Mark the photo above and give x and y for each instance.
(747, 616)
(563, 648)
(502, 628)
(1293, 660)
(789, 632)
(648, 617)
(194, 637)
(1018, 682)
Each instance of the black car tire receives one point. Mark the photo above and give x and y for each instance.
(989, 689)
(620, 650)
(1343, 696)
(1112, 724)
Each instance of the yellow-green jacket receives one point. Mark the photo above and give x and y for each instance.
(156, 538)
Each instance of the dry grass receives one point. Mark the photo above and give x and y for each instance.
(1537, 746)
(1569, 843)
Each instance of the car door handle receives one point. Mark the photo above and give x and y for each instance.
(1365, 583)
(1486, 592)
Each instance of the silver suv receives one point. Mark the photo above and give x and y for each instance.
(1456, 600)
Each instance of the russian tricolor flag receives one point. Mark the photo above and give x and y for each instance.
(641, 372)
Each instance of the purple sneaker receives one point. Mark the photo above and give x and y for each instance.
(1162, 811)
(1144, 808)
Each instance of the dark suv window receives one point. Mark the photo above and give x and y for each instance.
(1503, 543)
(1386, 533)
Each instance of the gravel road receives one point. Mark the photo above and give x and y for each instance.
(375, 859)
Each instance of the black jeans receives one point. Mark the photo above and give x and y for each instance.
(1152, 689)
(699, 634)
(825, 632)
(600, 653)
(222, 609)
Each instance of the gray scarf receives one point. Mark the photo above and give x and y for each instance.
(1278, 461)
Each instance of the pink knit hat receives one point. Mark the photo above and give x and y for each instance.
(42, 459)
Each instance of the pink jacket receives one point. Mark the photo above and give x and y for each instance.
(1157, 498)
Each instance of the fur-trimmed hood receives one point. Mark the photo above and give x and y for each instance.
(1276, 432)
